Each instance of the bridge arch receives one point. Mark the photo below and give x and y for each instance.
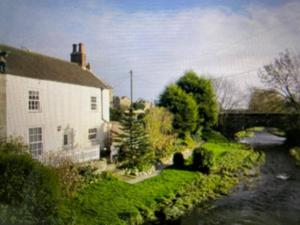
(232, 122)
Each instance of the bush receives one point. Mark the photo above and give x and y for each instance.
(29, 191)
(158, 125)
(203, 160)
(15, 145)
(178, 160)
(69, 177)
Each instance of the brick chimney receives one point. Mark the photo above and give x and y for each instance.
(79, 56)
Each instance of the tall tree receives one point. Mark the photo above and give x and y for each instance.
(183, 106)
(203, 92)
(283, 75)
(133, 143)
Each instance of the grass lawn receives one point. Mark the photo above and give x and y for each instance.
(110, 201)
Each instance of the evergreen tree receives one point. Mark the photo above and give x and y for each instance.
(133, 143)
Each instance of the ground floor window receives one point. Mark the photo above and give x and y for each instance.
(35, 141)
(92, 133)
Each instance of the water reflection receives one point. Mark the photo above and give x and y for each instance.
(263, 138)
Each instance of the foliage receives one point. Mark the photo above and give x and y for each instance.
(183, 106)
(115, 114)
(15, 145)
(244, 134)
(158, 123)
(295, 153)
(283, 75)
(203, 160)
(203, 92)
(138, 105)
(29, 192)
(262, 100)
(69, 177)
(178, 160)
(133, 143)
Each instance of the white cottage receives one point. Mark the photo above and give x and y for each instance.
(53, 104)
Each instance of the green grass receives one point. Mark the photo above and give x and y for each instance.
(117, 202)
(113, 202)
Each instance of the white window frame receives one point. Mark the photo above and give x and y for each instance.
(35, 140)
(34, 104)
(94, 105)
(92, 134)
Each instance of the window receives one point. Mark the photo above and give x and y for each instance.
(34, 101)
(66, 141)
(93, 103)
(35, 141)
(92, 133)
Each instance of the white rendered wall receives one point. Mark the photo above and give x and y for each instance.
(63, 106)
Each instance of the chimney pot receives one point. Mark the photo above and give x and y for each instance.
(81, 48)
(79, 57)
(74, 48)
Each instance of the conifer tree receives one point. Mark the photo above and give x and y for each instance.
(133, 143)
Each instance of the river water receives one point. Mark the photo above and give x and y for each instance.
(272, 199)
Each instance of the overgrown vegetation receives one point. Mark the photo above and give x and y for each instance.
(295, 153)
(30, 193)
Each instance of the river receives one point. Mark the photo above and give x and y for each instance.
(272, 199)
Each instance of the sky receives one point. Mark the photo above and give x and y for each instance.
(159, 39)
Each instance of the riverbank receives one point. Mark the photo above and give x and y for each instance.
(295, 153)
(167, 196)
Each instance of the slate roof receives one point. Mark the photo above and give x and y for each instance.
(33, 65)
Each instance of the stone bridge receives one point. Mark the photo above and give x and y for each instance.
(232, 122)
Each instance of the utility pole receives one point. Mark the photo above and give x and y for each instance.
(131, 89)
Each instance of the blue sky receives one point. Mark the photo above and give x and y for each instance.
(157, 39)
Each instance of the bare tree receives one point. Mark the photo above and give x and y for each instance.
(229, 95)
(283, 75)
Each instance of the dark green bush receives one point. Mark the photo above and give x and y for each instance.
(29, 191)
(178, 160)
(203, 160)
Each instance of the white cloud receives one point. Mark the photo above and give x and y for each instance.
(160, 46)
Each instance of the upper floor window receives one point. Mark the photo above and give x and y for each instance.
(34, 101)
(93, 103)
(92, 133)
(35, 141)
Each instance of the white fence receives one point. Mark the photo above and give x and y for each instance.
(76, 155)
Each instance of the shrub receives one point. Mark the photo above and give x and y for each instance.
(158, 125)
(11, 144)
(69, 177)
(29, 191)
(203, 160)
(178, 160)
